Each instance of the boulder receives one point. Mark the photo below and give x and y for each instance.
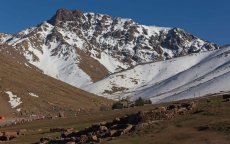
(182, 111)
(61, 114)
(45, 140)
(162, 108)
(112, 132)
(103, 129)
(128, 128)
(84, 138)
(171, 107)
(94, 138)
(22, 131)
(69, 130)
(193, 106)
(102, 123)
(116, 120)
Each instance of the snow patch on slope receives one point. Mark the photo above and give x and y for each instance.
(146, 74)
(180, 78)
(58, 61)
(112, 64)
(33, 95)
(215, 85)
(65, 69)
(14, 101)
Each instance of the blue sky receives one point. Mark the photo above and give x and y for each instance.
(208, 19)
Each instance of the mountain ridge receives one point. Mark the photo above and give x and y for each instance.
(106, 44)
(170, 80)
(83, 49)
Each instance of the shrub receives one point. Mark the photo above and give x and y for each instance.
(148, 102)
(105, 108)
(139, 102)
(117, 105)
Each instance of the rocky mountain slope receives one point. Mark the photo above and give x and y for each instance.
(117, 57)
(82, 48)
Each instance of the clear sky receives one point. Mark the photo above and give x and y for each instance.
(208, 19)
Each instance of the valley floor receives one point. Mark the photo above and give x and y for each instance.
(209, 125)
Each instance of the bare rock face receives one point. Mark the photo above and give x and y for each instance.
(83, 43)
(126, 40)
(64, 15)
(176, 39)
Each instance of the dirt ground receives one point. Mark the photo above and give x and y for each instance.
(209, 125)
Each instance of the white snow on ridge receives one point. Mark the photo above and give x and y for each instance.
(153, 30)
(52, 49)
(18, 110)
(216, 85)
(58, 61)
(27, 65)
(4, 37)
(33, 95)
(14, 99)
(119, 44)
(112, 64)
(58, 67)
(146, 74)
(180, 78)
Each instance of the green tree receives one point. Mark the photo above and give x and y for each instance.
(139, 102)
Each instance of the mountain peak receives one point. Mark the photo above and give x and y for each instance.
(64, 15)
(86, 44)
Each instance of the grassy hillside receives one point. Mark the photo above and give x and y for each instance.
(53, 95)
(210, 124)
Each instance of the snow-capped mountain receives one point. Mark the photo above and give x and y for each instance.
(4, 37)
(186, 77)
(81, 48)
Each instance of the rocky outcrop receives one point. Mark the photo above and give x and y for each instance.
(108, 130)
(64, 15)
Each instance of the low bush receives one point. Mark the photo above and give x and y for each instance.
(117, 105)
(141, 102)
(105, 108)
